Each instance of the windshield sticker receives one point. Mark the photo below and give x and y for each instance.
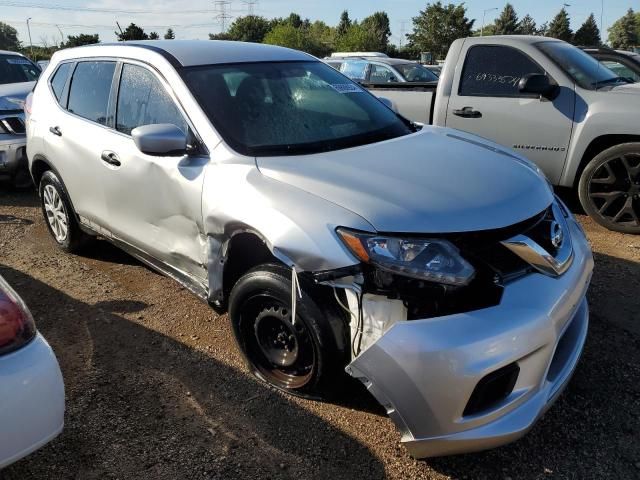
(18, 61)
(346, 88)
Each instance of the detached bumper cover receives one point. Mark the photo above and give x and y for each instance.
(31, 400)
(425, 371)
(12, 153)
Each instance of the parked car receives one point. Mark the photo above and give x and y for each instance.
(31, 386)
(382, 70)
(435, 69)
(17, 77)
(622, 63)
(42, 64)
(575, 118)
(433, 265)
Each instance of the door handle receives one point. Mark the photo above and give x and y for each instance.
(56, 131)
(111, 158)
(467, 112)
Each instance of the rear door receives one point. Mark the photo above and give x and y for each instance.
(485, 100)
(76, 133)
(154, 201)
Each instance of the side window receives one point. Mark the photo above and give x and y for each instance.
(381, 74)
(59, 79)
(355, 70)
(89, 91)
(142, 100)
(495, 71)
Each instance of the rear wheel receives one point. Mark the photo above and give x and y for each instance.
(58, 214)
(300, 355)
(609, 188)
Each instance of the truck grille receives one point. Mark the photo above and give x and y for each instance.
(13, 125)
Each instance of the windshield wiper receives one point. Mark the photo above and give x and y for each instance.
(609, 81)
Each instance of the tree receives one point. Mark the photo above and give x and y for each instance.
(133, 32)
(345, 23)
(623, 34)
(560, 26)
(527, 26)
(507, 22)
(82, 39)
(544, 28)
(377, 25)
(251, 28)
(437, 26)
(9, 38)
(170, 35)
(154, 36)
(357, 39)
(588, 34)
(286, 35)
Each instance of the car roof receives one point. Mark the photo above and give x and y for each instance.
(189, 53)
(7, 52)
(385, 60)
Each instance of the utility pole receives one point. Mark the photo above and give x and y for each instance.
(61, 36)
(222, 16)
(30, 42)
(483, 15)
(251, 4)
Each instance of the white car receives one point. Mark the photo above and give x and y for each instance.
(31, 386)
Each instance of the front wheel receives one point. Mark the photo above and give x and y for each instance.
(609, 188)
(301, 355)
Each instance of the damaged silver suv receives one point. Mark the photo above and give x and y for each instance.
(436, 267)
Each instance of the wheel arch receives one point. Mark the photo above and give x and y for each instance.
(597, 146)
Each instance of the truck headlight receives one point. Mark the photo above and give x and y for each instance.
(434, 260)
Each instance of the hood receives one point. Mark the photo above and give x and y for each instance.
(14, 91)
(435, 181)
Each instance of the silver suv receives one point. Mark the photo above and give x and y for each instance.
(436, 267)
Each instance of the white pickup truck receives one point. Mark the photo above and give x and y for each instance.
(575, 118)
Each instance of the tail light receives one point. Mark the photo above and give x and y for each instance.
(27, 103)
(17, 327)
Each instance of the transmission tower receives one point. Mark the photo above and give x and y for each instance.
(222, 15)
(251, 4)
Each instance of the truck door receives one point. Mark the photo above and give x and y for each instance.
(485, 100)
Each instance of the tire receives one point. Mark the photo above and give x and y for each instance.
(609, 188)
(304, 359)
(59, 215)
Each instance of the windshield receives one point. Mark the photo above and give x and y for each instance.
(583, 68)
(414, 72)
(16, 69)
(290, 108)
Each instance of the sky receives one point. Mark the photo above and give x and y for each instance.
(196, 18)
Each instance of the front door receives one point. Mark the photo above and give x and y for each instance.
(486, 101)
(154, 202)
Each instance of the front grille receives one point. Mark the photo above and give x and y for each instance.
(12, 125)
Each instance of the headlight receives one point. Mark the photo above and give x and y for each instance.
(435, 260)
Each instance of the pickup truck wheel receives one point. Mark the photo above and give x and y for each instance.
(298, 357)
(609, 188)
(58, 214)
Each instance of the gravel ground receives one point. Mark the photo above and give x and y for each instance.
(156, 388)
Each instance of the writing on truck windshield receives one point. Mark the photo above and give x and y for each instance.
(289, 108)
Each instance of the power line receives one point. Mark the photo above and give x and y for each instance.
(5, 3)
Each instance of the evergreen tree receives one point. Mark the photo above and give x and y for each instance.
(133, 32)
(560, 26)
(588, 34)
(437, 26)
(507, 22)
(154, 36)
(624, 33)
(79, 40)
(527, 26)
(8, 38)
(345, 23)
(170, 35)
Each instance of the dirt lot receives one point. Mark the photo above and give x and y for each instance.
(156, 388)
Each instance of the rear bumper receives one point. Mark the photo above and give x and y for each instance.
(13, 154)
(31, 399)
(425, 371)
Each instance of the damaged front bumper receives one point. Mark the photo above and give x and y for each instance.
(431, 374)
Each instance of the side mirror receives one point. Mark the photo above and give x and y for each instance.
(387, 102)
(160, 139)
(538, 84)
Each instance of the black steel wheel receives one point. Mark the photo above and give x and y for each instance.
(298, 355)
(609, 188)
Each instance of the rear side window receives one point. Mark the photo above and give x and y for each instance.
(89, 91)
(495, 71)
(59, 80)
(142, 100)
(355, 70)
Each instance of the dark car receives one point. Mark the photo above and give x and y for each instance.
(625, 64)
